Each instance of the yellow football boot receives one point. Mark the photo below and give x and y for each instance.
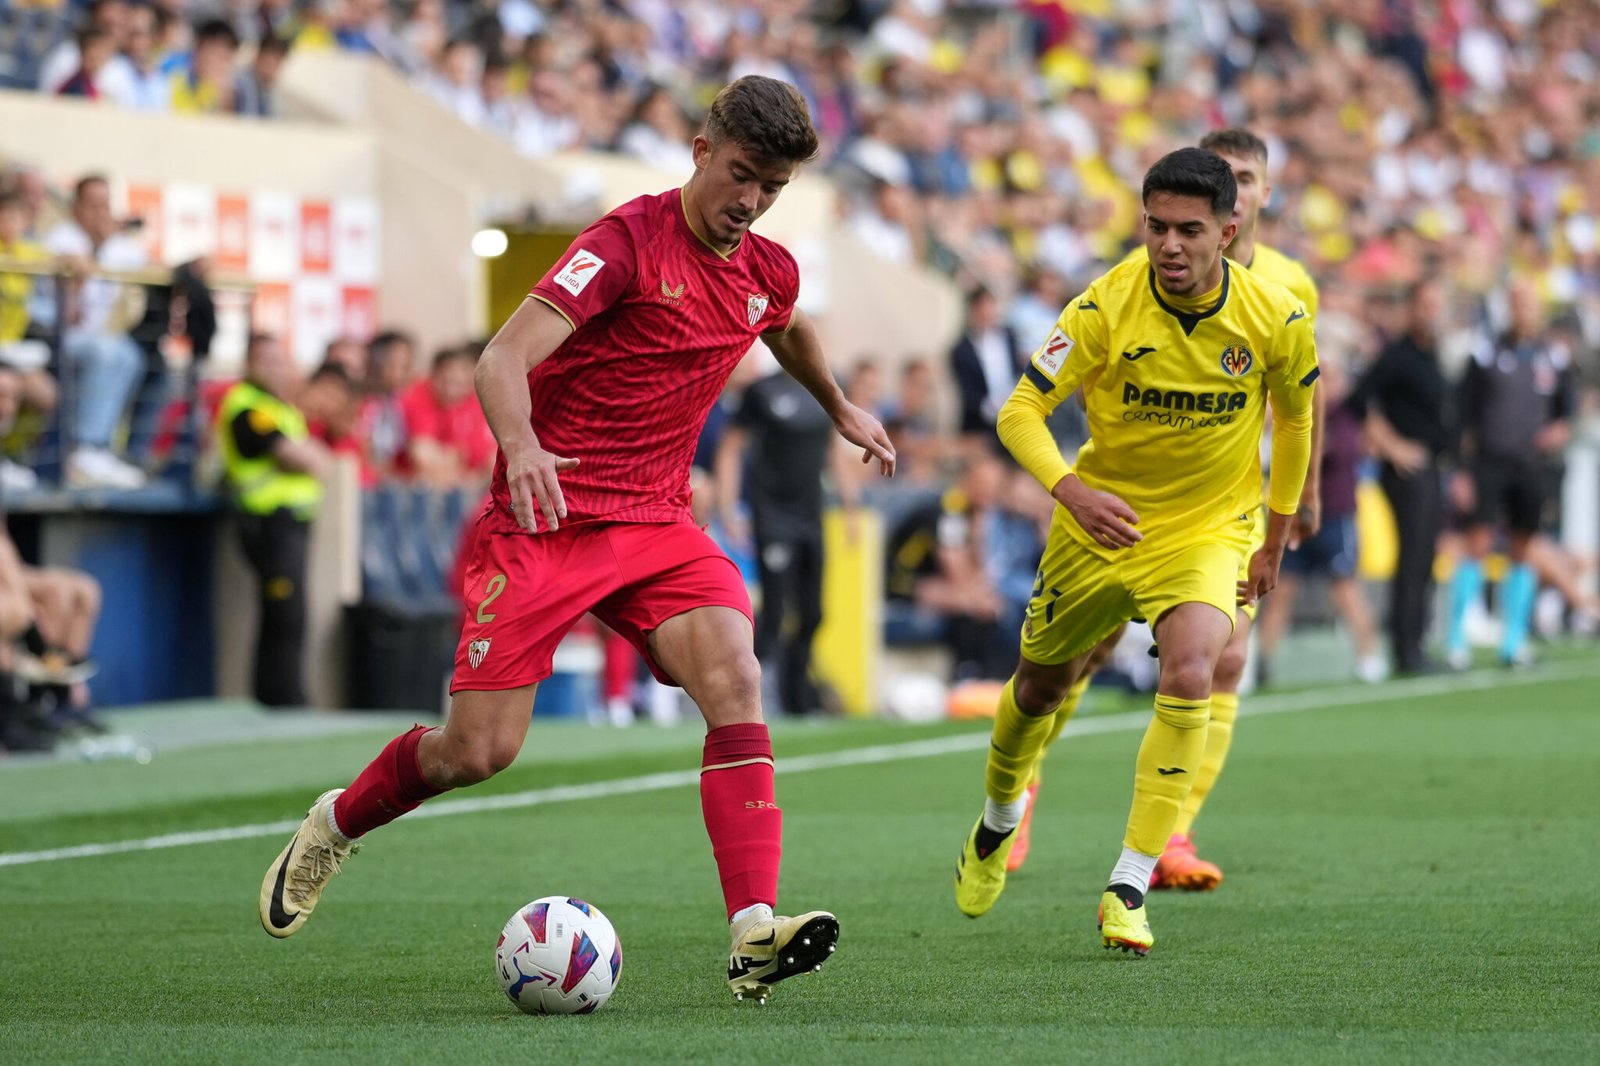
(1124, 928)
(981, 878)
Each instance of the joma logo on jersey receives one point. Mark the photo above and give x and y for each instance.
(1177, 400)
(1237, 360)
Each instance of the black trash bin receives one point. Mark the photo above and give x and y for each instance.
(400, 655)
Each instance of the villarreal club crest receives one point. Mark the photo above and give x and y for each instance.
(1237, 360)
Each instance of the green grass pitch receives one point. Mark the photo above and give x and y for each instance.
(1411, 877)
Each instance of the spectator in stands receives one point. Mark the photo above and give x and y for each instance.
(912, 422)
(391, 357)
(95, 50)
(274, 469)
(149, 88)
(349, 355)
(545, 124)
(207, 86)
(985, 364)
(659, 133)
(113, 77)
(14, 477)
(108, 363)
(457, 81)
(499, 109)
(333, 410)
(19, 348)
(255, 87)
(448, 443)
(936, 564)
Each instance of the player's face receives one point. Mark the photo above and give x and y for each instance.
(1250, 174)
(731, 189)
(1185, 241)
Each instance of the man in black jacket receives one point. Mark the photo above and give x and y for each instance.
(1403, 395)
(985, 363)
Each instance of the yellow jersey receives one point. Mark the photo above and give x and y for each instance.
(1269, 263)
(16, 289)
(1176, 393)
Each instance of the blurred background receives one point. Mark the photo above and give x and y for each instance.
(340, 200)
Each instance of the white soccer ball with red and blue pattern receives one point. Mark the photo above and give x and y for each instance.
(558, 955)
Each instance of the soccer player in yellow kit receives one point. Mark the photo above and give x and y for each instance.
(1180, 866)
(1178, 359)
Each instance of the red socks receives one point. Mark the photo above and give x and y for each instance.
(742, 817)
(391, 785)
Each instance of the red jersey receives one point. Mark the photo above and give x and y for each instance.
(660, 319)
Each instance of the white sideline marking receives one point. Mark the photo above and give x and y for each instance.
(1346, 696)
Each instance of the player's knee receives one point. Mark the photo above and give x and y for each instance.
(1040, 693)
(1230, 668)
(1188, 677)
(15, 616)
(483, 760)
(731, 690)
(88, 594)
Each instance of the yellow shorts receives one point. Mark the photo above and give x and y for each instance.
(1084, 591)
(1257, 539)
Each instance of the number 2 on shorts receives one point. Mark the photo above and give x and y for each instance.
(497, 585)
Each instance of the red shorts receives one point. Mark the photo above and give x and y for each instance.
(524, 591)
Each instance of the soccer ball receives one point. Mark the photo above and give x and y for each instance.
(558, 956)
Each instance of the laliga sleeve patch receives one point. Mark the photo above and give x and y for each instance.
(579, 271)
(1052, 355)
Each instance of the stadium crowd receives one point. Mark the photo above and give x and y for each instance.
(1455, 141)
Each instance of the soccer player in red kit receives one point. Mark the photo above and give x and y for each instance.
(596, 390)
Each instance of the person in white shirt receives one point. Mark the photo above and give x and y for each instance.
(109, 365)
(149, 88)
(115, 80)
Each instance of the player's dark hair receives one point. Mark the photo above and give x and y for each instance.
(333, 372)
(766, 116)
(1194, 172)
(1235, 141)
(382, 346)
(216, 31)
(445, 356)
(83, 183)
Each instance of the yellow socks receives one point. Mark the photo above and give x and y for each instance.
(1058, 722)
(1169, 761)
(1018, 741)
(1219, 736)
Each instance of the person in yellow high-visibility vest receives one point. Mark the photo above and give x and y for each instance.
(274, 470)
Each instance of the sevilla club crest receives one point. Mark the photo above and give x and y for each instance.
(757, 306)
(476, 650)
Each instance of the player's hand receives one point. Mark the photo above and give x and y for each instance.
(531, 476)
(1463, 492)
(1308, 518)
(1408, 456)
(867, 433)
(1106, 518)
(1263, 575)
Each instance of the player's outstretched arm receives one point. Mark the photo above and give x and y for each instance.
(799, 352)
(528, 338)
